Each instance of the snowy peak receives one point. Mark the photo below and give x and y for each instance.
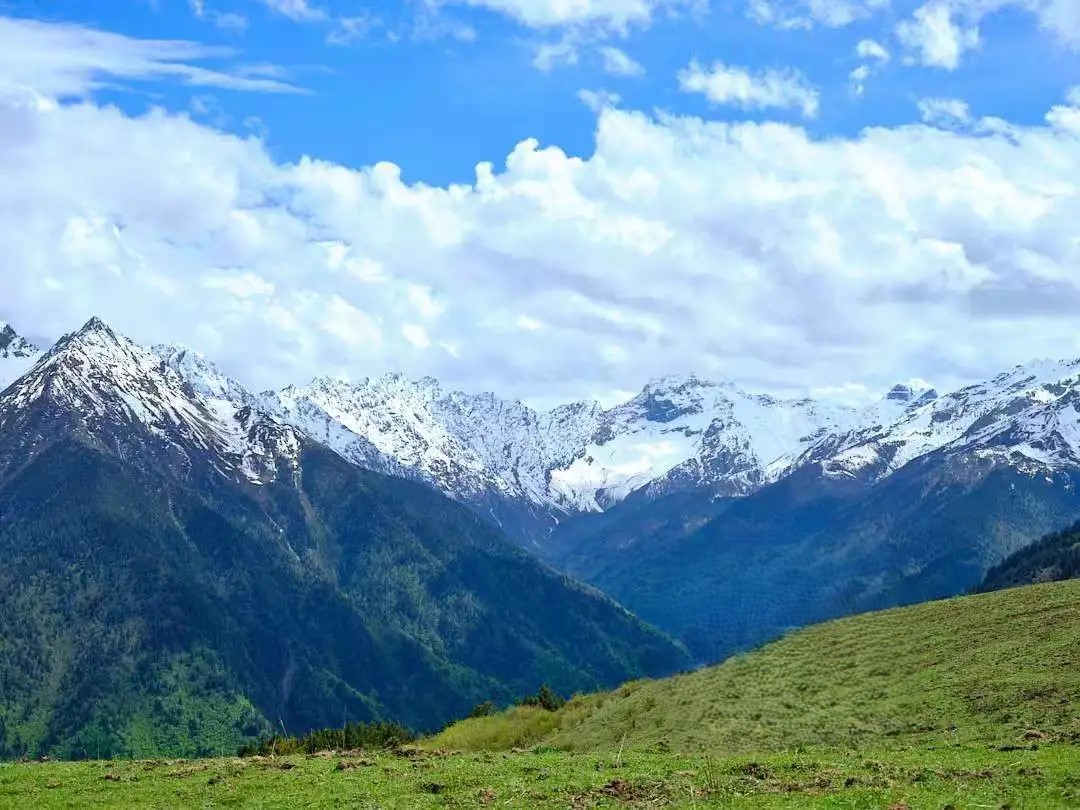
(1026, 416)
(16, 355)
(690, 432)
(906, 395)
(12, 344)
(204, 377)
(112, 387)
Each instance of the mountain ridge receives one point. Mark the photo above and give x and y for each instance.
(530, 471)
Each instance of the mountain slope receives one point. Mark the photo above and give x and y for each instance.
(1054, 557)
(181, 573)
(991, 670)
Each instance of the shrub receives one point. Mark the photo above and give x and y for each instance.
(350, 736)
(546, 699)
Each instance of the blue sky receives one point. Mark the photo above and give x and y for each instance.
(414, 92)
(552, 199)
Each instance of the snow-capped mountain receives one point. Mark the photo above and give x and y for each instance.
(678, 433)
(17, 355)
(106, 386)
(528, 470)
(1028, 417)
(493, 454)
(689, 432)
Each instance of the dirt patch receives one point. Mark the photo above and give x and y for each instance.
(624, 791)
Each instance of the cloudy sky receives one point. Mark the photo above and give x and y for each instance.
(550, 199)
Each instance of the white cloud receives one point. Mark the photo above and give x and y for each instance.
(64, 61)
(596, 100)
(947, 113)
(618, 63)
(1062, 17)
(807, 13)
(742, 250)
(871, 49)
(1066, 117)
(722, 84)
(940, 32)
(562, 53)
(348, 30)
(416, 335)
(877, 54)
(616, 15)
(298, 10)
(858, 77)
(936, 36)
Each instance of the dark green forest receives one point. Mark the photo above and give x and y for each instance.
(140, 616)
(1053, 558)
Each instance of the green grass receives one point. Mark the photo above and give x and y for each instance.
(968, 703)
(980, 670)
(956, 777)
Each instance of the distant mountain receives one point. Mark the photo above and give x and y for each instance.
(530, 471)
(182, 572)
(16, 355)
(1053, 558)
(726, 517)
(907, 509)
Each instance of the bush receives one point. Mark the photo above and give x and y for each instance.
(546, 699)
(485, 709)
(350, 736)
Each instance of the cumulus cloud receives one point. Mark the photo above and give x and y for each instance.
(618, 63)
(936, 33)
(940, 32)
(871, 49)
(724, 84)
(876, 54)
(936, 36)
(748, 251)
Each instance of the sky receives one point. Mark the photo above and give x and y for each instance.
(550, 199)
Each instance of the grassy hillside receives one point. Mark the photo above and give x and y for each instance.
(994, 669)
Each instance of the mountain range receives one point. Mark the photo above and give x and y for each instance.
(371, 548)
(182, 572)
(724, 517)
